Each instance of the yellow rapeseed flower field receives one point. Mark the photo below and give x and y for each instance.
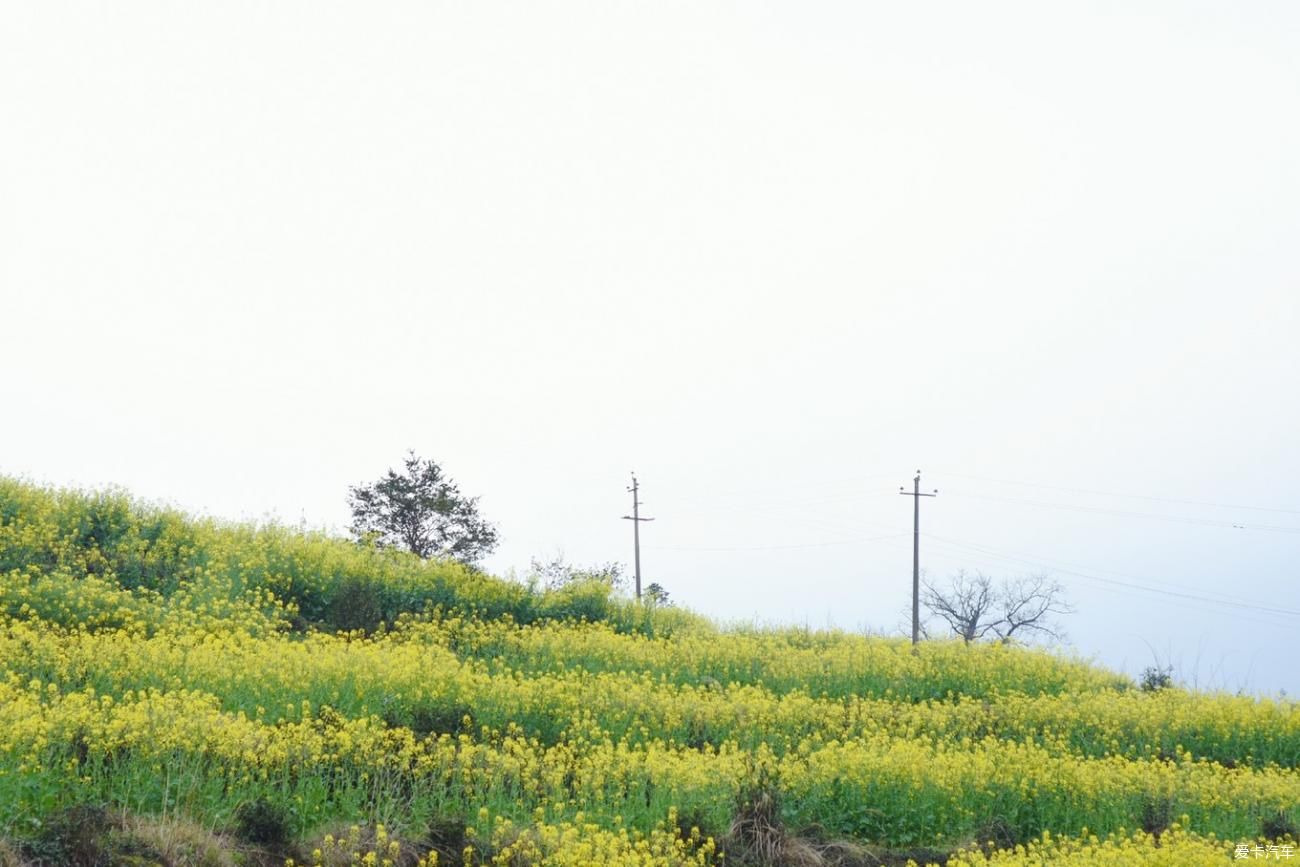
(156, 666)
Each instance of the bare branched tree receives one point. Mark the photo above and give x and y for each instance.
(975, 608)
(966, 604)
(1027, 604)
(556, 573)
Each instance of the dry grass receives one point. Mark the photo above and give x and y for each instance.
(758, 837)
(91, 836)
(9, 856)
(180, 842)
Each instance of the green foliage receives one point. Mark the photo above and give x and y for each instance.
(102, 560)
(172, 667)
(422, 511)
(1155, 678)
(263, 822)
(655, 594)
(74, 837)
(356, 605)
(1279, 826)
(588, 600)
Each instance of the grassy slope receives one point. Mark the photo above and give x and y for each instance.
(162, 665)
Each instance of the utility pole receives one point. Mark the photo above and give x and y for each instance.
(636, 520)
(916, 496)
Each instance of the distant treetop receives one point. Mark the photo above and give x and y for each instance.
(423, 511)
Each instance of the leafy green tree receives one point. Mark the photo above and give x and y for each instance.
(656, 594)
(423, 511)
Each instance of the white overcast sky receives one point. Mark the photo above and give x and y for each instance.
(772, 256)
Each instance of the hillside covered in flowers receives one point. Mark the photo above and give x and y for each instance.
(182, 691)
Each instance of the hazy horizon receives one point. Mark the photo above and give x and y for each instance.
(772, 258)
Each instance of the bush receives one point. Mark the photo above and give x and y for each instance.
(262, 822)
(1155, 678)
(72, 838)
(1279, 827)
(357, 604)
(428, 719)
(582, 600)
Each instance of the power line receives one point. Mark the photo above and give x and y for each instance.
(846, 482)
(794, 512)
(1278, 621)
(847, 497)
(1265, 616)
(1234, 603)
(775, 505)
(797, 511)
(1177, 519)
(1150, 586)
(779, 547)
(1126, 496)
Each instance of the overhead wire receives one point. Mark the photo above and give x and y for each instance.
(766, 505)
(847, 482)
(1149, 596)
(778, 547)
(796, 511)
(1234, 602)
(1179, 519)
(1098, 493)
